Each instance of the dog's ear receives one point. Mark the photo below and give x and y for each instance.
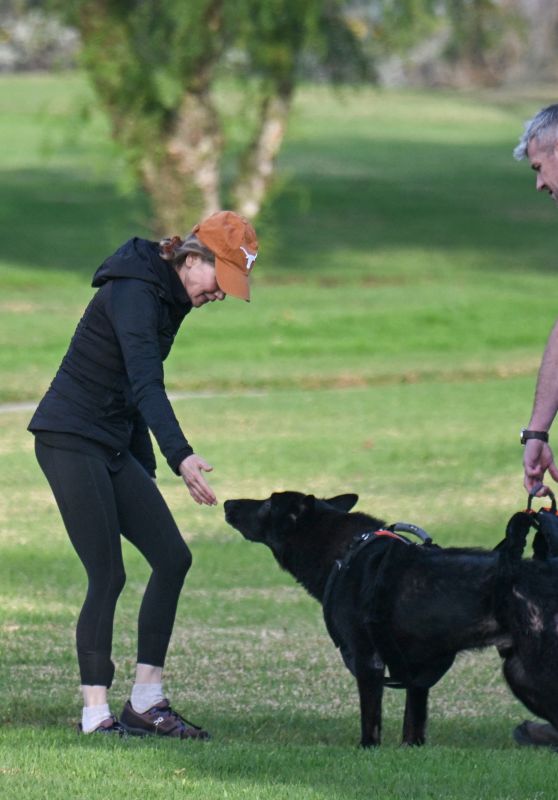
(343, 502)
(304, 504)
(288, 509)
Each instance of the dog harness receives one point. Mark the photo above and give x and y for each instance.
(385, 549)
(364, 582)
(544, 522)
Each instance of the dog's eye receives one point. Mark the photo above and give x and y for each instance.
(264, 509)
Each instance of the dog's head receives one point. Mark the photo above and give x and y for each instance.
(285, 517)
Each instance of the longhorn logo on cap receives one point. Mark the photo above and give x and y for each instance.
(250, 258)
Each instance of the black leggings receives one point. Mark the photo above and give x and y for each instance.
(97, 505)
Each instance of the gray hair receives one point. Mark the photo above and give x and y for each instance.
(543, 127)
(175, 249)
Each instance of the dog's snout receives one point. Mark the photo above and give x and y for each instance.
(241, 514)
(228, 506)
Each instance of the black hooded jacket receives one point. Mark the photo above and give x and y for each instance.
(110, 385)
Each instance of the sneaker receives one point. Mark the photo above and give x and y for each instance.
(107, 726)
(160, 720)
(536, 734)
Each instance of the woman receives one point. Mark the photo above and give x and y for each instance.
(92, 443)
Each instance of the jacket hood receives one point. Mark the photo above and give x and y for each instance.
(139, 259)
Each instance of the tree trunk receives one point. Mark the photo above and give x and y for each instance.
(183, 179)
(541, 58)
(258, 163)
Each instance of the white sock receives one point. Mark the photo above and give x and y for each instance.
(145, 696)
(92, 716)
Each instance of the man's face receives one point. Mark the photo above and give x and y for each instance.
(544, 160)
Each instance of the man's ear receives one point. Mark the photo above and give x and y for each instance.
(343, 502)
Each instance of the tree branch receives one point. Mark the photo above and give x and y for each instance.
(257, 165)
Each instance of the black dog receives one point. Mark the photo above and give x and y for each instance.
(390, 602)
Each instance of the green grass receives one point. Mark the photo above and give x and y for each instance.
(250, 656)
(401, 302)
(401, 235)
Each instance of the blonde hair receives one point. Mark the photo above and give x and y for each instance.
(175, 249)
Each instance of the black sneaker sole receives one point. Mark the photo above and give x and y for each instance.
(119, 732)
(141, 732)
(137, 731)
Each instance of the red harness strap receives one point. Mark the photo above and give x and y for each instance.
(391, 534)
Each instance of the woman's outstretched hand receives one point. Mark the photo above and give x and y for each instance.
(191, 470)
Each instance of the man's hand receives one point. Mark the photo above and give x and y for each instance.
(537, 459)
(191, 470)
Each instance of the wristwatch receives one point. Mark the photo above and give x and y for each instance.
(526, 434)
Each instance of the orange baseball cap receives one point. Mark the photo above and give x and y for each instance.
(233, 242)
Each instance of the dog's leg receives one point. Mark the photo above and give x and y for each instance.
(370, 690)
(416, 714)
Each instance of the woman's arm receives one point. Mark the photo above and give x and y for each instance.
(134, 314)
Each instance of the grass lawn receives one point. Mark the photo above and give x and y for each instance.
(401, 303)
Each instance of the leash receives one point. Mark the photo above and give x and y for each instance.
(544, 521)
(533, 493)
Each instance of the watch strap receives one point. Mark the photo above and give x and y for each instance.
(527, 434)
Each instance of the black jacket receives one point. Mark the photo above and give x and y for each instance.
(110, 385)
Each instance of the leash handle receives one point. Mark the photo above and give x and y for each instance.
(533, 494)
(408, 527)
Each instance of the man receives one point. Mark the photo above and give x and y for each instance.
(539, 144)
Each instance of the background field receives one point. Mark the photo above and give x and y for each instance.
(402, 298)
